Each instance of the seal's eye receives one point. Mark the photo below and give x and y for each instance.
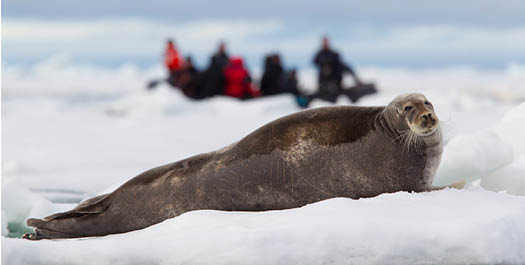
(428, 103)
(408, 108)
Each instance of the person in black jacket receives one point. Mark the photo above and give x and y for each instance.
(331, 70)
(272, 81)
(213, 79)
(291, 84)
(192, 80)
(276, 80)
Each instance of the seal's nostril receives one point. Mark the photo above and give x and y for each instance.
(427, 117)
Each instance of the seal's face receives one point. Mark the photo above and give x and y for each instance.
(415, 113)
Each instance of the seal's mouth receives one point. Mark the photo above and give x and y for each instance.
(425, 124)
(427, 132)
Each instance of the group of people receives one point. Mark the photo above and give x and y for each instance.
(228, 76)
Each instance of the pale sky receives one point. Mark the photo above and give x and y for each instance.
(382, 12)
(403, 33)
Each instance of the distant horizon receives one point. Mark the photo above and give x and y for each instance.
(141, 42)
(251, 64)
(401, 34)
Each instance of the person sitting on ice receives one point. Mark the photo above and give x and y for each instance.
(174, 62)
(238, 81)
(331, 69)
(189, 80)
(275, 79)
(213, 77)
(272, 81)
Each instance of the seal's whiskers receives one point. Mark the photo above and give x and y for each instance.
(409, 139)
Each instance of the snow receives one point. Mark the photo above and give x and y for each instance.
(70, 132)
(470, 156)
(445, 227)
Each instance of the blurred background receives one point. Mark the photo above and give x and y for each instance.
(78, 120)
(401, 34)
(61, 44)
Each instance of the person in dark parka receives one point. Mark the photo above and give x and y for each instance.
(213, 78)
(191, 78)
(272, 81)
(331, 70)
(276, 80)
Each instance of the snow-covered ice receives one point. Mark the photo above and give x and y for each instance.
(71, 132)
(445, 227)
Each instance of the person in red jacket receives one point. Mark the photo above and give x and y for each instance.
(172, 58)
(174, 62)
(238, 82)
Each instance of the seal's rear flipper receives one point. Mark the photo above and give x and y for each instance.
(42, 233)
(66, 224)
(34, 222)
(52, 229)
(32, 236)
(43, 229)
(96, 204)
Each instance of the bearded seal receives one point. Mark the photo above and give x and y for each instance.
(306, 157)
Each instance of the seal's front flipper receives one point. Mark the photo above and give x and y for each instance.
(457, 185)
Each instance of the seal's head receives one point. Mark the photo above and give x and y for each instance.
(413, 113)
